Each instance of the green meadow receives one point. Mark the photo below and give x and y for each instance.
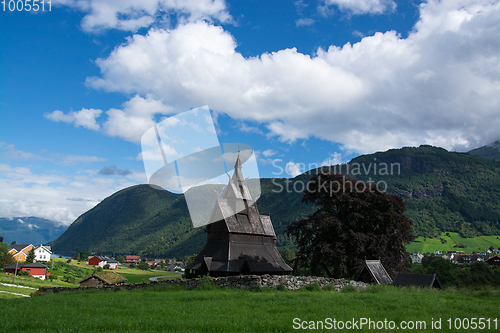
(429, 245)
(164, 309)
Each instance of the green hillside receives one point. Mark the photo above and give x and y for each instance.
(444, 191)
(452, 241)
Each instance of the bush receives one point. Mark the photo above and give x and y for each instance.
(313, 287)
(329, 287)
(68, 261)
(206, 284)
(23, 273)
(69, 278)
(106, 266)
(281, 287)
(349, 289)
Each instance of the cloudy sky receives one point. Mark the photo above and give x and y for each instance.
(302, 82)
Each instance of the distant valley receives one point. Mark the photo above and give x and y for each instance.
(30, 230)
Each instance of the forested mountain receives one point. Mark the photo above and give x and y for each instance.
(444, 191)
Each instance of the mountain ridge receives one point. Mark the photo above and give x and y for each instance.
(444, 191)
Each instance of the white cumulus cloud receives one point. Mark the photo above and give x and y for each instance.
(83, 118)
(438, 86)
(130, 15)
(358, 7)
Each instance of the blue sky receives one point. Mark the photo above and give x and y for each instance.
(305, 82)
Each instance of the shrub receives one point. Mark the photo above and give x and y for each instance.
(313, 287)
(281, 287)
(206, 284)
(330, 287)
(349, 289)
(69, 278)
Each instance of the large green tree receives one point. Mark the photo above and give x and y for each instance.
(354, 221)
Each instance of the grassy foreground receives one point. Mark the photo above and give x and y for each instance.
(175, 310)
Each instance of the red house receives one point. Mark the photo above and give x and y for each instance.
(132, 260)
(101, 261)
(35, 269)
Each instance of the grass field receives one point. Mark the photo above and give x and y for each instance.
(136, 275)
(429, 245)
(170, 310)
(26, 281)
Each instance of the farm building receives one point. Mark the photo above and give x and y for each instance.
(241, 241)
(104, 278)
(419, 280)
(34, 269)
(101, 261)
(374, 272)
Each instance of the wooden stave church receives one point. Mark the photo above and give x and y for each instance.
(238, 244)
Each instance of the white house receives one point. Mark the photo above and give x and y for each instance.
(42, 253)
(416, 257)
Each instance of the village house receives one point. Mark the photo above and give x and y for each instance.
(132, 260)
(101, 261)
(100, 279)
(464, 259)
(493, 261)
(416, 257)
(34, 269)
(19, 251)
(42, 253)
(175, 266)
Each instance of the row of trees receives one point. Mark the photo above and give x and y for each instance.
(450, 274)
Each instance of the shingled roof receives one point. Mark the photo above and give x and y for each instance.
(374, 272)
(18, 247)
(26, 265)
(419, 280)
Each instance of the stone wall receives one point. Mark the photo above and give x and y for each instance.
(237, 282)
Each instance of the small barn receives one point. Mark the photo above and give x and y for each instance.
(34, 269)
(418, 280)
(100, 279)
(374, 272)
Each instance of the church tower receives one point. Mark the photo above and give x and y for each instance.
(241, 241)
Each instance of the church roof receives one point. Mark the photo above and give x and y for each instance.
(238, 211)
